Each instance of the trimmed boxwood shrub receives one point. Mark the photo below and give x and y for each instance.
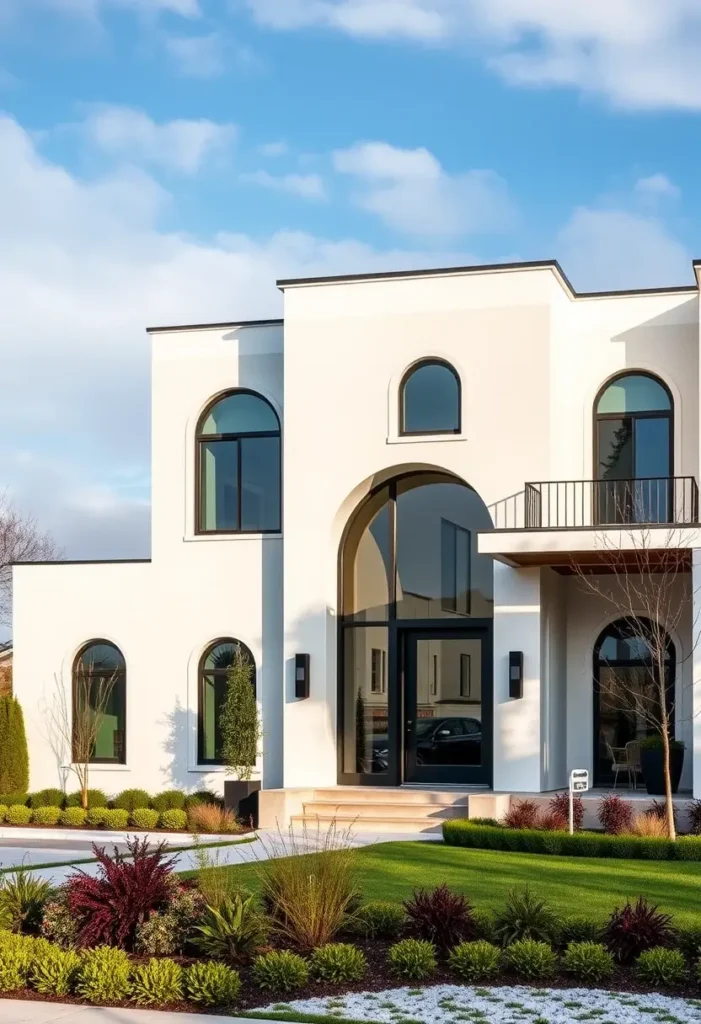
(212, 984)
(3, 812)
(97, 816)
(462, 832)
(47, 798)
(280, 971)
(379, 919)
(116, 819)
(104, 974)
(173, 820)
(131, 800)
(74, 817)
(96, 798)
(54, 970)
(412, 959)
(46, 815)
(202, 796)
(157, 981)
(661, 966)
(530, 959)
(18, 814)
(10, 799)
(170, 800)
(144, 818)
(475, 961)
(588, 961)
(338, 962)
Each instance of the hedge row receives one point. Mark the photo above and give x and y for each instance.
(115, 819)
(582, 844)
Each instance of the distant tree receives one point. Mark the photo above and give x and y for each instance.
(21, 540)
(239, 719)
(14, 757)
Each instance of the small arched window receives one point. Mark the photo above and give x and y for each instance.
(429, 399)
(238, 466)
(99, 704)
(215, 664)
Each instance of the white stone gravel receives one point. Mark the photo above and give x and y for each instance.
(457, 1004)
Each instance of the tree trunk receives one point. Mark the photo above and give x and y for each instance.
(84, 789)
(669, 802)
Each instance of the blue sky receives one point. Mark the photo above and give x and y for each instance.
(164, 161)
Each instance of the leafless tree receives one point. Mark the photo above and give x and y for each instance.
(646, 580)
(21, 540)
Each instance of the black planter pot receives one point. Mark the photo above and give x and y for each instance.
(652, 764)
(242, 799)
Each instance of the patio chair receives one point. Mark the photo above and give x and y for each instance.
(632, 749)
(621, 762)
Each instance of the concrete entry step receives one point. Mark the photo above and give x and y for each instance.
(398, 795)
(385, 809)
(369, 823)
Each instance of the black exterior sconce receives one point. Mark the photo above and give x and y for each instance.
(301, 676)
(516, 674)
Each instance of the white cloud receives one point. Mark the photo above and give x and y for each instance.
(91, 9)
(307, 186)
(198, 56)
(412, 193)
(274, 149)
(656, 186)
(179, 145)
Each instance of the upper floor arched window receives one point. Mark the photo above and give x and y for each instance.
(238, 465)
(99, 704)
(215, 666)
(429, 399)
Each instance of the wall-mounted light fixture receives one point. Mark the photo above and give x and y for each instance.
(301, 676)
(516, 674)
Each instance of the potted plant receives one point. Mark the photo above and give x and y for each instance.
(241, 734)
(652, 763)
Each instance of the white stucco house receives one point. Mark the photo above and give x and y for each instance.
(397, 480)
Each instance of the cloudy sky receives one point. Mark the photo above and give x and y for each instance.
(163, 161)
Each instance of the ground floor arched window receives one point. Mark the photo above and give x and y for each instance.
(214, 668)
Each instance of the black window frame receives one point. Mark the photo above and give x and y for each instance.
(235, 438)
(651, 414)
(412, 371)
(121, 681)
(202, 672)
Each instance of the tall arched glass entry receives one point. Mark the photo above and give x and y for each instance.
(415, 667)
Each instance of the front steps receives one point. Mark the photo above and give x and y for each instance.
(375, 809)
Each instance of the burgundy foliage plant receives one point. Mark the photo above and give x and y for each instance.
(559, 809)
(694, 819)
(524, 814)
(657, 809)
(108, 909)
(441, 916)
(636, 928)
(615, 815)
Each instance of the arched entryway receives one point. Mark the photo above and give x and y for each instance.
(415, 665)
(626, 690)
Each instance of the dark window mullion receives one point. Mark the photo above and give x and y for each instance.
(239, 480)
(393, 549)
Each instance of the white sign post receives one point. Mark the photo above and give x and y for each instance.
(579, 783)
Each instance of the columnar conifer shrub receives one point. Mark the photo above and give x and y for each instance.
(636, 928)
(530, 959)
(104, 975)
(412, 959)
(280, 971)
(157, 982)
(440, 916)
(588, 961)
(475, 961)
(212, 984)
(338, 962)
(14, 758)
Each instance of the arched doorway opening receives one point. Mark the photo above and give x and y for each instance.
(627, 692)
(415, 643)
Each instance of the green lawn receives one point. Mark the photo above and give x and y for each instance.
(573, 885)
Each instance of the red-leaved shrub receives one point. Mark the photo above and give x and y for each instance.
(635, 929)
(524, 814)
(694, 819)
(441, 916)
(108, 909)
(559, 807)
(552, 821)
(615, 815)
(658, 809)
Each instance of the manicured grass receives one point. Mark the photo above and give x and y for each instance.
(574, 886)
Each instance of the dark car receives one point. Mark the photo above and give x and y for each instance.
(448, 741)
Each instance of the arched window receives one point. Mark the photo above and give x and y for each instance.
(633, 450)
(213, 677)
(627, 689)
(238, 466)
(429, 399)
(99, 704)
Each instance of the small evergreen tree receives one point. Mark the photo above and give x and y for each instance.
(14, 758)
(239, 720)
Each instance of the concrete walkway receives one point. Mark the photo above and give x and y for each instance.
(25, 1011)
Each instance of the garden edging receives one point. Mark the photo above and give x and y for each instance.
(100, 836)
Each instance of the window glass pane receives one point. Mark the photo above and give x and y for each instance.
(449, 702)
(634, 393)
(260, 483)
(102, 657)
(365, 717)
(109, 742)
(213, 693)
(652, 446)
(368, 562)
(220, 657)
(219, 485)
(615, 449)
(431, 401)
(240, 413)
(99, 699)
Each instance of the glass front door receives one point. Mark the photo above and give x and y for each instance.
(447, 707)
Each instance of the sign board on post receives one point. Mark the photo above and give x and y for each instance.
(579, 783)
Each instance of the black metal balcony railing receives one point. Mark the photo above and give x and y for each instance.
(581, 504)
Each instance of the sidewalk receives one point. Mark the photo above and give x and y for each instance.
(26, 1011)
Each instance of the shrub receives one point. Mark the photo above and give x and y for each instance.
(338, 963)
(235, 931)
(53, 972)
(15, 961)
(213, 819)
(3, 812)
(379, 919)
(615, 815)
(97, 817)
(145, 818)
(23, 897)
(46, 816)
(524, 814)
(552, 821)
(240, 721)
(58, 923)
(441, 916)
(18, 814)
(578, 930)
(202, 796)
(588, 961)
(157, 981)
(74, 817)
(103, 975)
(485, 924)
(559, 806)
(694, 818)
(636, 928)
(131, 800)
(116, 819)
(46, 798)
(173, 820)
(280, 971)
(650, 826)
(169, 800)
(412, 959)
(525, 916)
(530, 959)
(167, 932)
(9, 799)
(96, 798)
(689, 941)
(475, 961)
(110, 906)
(212, 984)
(660, 966)
(14, 758)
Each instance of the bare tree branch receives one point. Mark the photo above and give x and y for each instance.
(21, 540)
